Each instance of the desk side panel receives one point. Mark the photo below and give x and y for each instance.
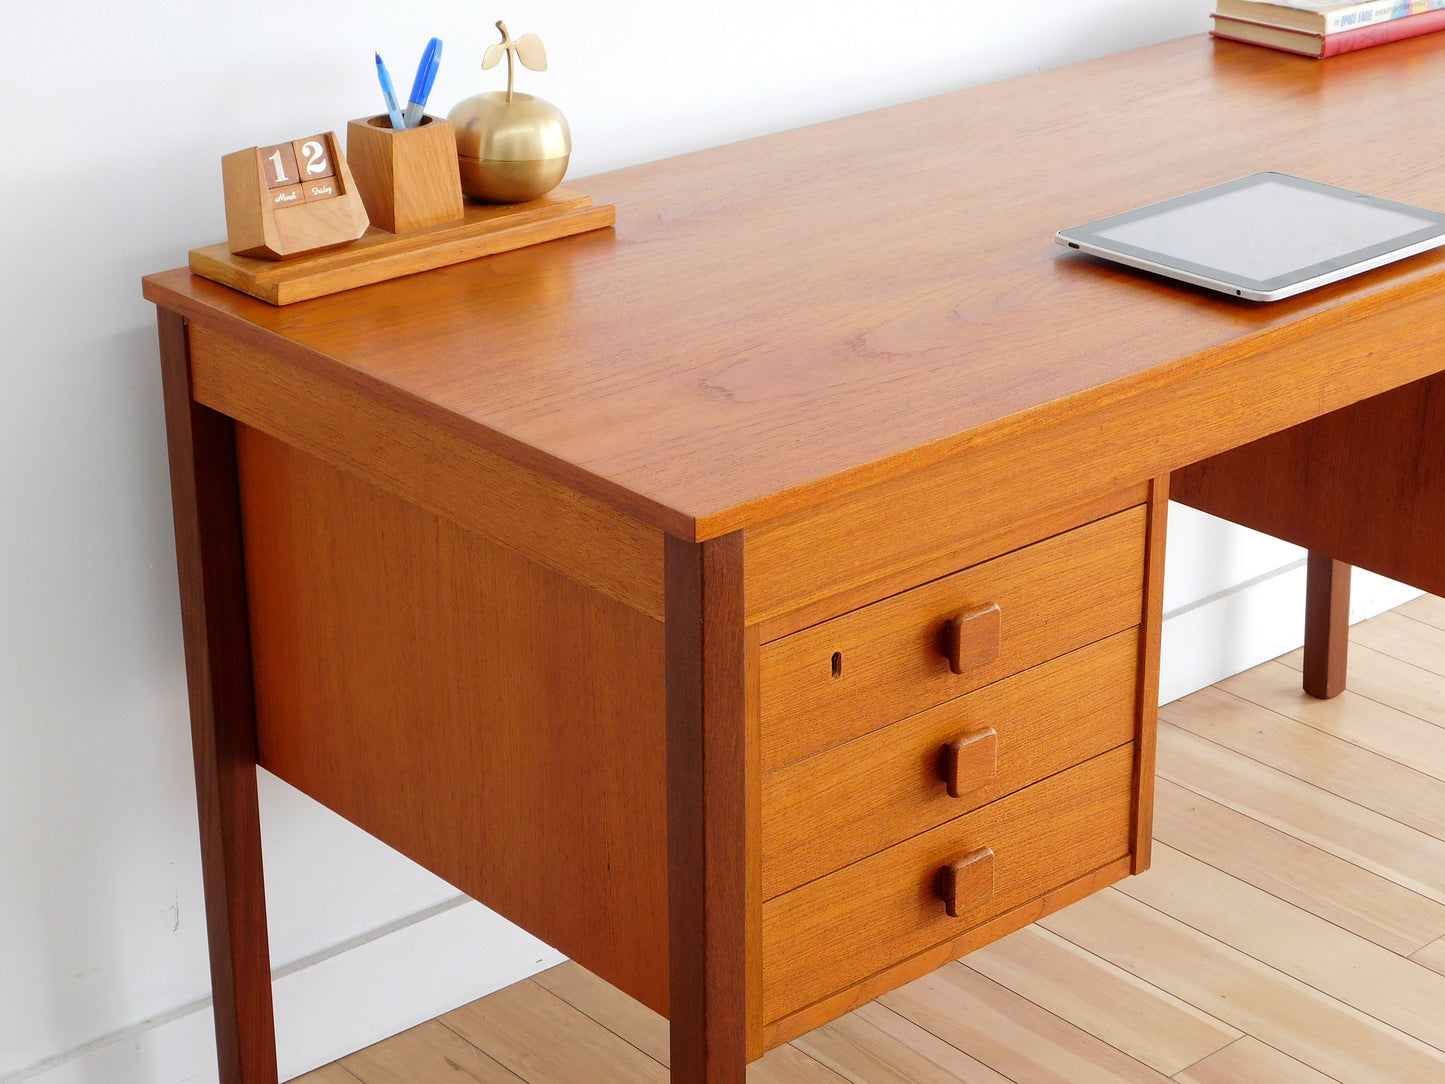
(396, 444)
(1364, 484)
(492, 719)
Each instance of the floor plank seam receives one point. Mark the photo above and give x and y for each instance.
(1401, 610)
(929, 1031)
(1294, 664)
(966, 1053)
(1289, 775)
(1439, 942)
(1022, 997)
(1336, 999)
(1213, 1053)
(1163, 994)
(1398, 611)
(1386, 872)
(1387, 1029)
(484, 1053)
(1292, 719)
(582, 1012)
(1276, 896)
(1332, 734)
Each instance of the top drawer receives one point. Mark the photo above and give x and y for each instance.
(830, 683)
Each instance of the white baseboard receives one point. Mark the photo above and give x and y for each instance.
(326, 1006)
(1218, 636)
(1222, 634)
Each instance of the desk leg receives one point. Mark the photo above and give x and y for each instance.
(204, 493)
(1327, 625)
(1362, 484)
(706, 809)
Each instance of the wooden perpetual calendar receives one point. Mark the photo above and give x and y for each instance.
(290, 198)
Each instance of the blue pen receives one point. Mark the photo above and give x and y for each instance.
(426, 73)
(397, 121)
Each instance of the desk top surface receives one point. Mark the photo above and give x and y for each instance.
(775, 320)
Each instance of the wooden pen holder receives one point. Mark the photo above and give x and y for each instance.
(409, 178)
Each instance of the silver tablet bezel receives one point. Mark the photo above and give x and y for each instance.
(1085, 239)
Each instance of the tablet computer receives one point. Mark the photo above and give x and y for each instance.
(1263, 237)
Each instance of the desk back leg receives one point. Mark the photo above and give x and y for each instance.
(1327, 625)
(706, 809)
(1361, 484)
(205, 497)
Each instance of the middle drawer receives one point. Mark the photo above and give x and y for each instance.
(823, 685)
(828, 810)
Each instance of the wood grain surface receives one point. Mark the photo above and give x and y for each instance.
(408, 178)
(936, 956)
(1362, 484)
(1107, 1002)
(381, 440)
(785, 319)
(1327, 625)
(807, 566)
(707, 811)
(843, 804)
(495, 721)
(842, 928)
(1056, 595)
(202, 451)
(1151, 627)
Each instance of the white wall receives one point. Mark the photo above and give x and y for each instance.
(118, 115)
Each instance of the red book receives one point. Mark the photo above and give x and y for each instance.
(1323, 45)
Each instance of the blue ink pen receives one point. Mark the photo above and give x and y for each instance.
(397, 121)
(426, 73)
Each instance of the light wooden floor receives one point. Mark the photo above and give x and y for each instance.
(1292, 928)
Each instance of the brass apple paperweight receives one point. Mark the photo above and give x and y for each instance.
(511, 147)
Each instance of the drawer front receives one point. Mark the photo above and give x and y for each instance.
(858, 672)
(823, 812)
(839, 929)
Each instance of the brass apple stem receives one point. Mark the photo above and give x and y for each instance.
(511, 51)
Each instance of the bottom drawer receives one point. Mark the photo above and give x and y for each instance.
(839, 929)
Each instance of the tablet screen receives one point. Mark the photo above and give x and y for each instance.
(1263, 235)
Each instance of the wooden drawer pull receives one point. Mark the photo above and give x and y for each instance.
(971, 762)
(972, 639)
(967, 882)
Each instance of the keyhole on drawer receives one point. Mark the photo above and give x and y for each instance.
(837, 664)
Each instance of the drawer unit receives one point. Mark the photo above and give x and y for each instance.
(843, 804)
(832, 682)
(839, 929)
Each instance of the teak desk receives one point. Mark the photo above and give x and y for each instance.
(760, 602)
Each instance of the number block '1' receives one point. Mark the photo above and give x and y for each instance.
(278, 164)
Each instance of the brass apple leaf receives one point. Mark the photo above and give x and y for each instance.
(528, 49)
(531, 52)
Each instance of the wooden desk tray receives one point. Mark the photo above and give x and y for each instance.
(483, 229)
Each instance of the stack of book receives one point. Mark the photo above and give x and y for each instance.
(1321, 28)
